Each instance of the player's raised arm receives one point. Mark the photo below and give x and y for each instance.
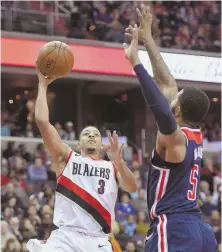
(162, 75)
(126, 179)
(50, 136)
(170, 135)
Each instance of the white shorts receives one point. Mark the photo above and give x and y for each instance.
(70, 241)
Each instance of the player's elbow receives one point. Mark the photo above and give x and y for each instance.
(41, 121)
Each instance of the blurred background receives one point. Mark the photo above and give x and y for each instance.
(101, 90)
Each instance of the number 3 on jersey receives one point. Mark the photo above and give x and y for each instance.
(192, 194)
(101, 188)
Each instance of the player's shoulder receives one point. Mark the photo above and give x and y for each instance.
(193, 134)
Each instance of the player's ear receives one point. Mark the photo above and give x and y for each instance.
(177, 112)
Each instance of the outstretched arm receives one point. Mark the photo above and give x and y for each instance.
(57, 149)
(126, 179)
(170, 135)
(162, 75)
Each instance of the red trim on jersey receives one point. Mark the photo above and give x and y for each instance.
(160, 191)
(162, 234)
(64, 181)
(94, 158)
(195, 136)
(67, 160)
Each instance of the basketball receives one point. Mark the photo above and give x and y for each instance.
(55, 59)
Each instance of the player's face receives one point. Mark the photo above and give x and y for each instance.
(175, 103)
(90, 139)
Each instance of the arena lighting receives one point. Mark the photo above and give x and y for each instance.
(215, 99)
(92, 27)
(10, 101)
(124, 97)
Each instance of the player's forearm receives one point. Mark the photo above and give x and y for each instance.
(156, 101)
(127, 179)
(41, 107)
(162, 75)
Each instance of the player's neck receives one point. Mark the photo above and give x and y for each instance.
(91, 155)
(183, 123)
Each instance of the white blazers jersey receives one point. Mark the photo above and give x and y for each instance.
(86, 194)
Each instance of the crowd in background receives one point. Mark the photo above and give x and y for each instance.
(28, 184)
(23, 125)
(193, 25)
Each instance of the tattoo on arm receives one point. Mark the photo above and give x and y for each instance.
(164, 79)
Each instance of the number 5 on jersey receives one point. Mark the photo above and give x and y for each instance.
(192, 194)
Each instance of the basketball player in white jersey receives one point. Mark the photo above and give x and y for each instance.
(87, 186)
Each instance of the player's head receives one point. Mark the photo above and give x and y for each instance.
(191, 106)
(90, 140)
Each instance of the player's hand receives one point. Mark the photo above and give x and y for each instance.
(114, 150)
(131, 51)
(145, 19)
(44, 80)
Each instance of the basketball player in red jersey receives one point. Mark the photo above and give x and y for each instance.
(87, 186)
(173, 181)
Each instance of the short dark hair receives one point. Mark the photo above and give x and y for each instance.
(93, 126)
(194, 105)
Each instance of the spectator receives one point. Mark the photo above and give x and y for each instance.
(46, 209)
(130, 225)
(23, 152)
(23, 247)
(6, 235)
(122, 237)
(28, 230)
(124, 206)
(8, 152)
(130, 247)
(41, 152)
(10, 191)
(8, 213)
(45, 226)
(37, 171)
(141, 227)
(71, 135)
(16, 161)
(101, 19)
(208, 172)
(215, 220)
(77, 24)
(60, 131)
(14, 226)
(116, 29)
(29, 131)
(33, 215)
(12, 246)
(140, 204)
